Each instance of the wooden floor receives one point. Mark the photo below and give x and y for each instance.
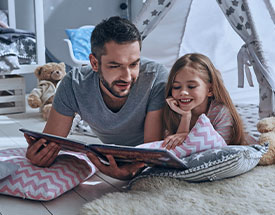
(67, 204)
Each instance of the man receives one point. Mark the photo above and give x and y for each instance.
(121, 98)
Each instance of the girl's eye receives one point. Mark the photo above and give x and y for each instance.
(176, 87)
(191, 87)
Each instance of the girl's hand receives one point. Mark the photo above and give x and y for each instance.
(174, 105)
(174, 140)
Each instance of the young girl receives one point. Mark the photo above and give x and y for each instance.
(195, 87)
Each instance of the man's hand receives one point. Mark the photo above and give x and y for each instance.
(174, 140)
(40, 153)
(124, 172)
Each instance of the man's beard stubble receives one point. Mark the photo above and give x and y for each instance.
(110, 88)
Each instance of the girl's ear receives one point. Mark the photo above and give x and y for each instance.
(210, 92)
(94, 62)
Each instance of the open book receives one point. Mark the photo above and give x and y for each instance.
(152, 157)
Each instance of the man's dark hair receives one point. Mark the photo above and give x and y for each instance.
(115, 29)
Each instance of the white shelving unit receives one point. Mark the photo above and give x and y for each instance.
(14, 83)
(39, 31)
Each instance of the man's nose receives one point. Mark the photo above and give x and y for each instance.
(126, 74)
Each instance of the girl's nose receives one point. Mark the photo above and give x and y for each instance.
(184, 92)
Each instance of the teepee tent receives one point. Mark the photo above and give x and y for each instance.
(237, 35)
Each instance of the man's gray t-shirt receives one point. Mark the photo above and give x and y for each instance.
(79, 92)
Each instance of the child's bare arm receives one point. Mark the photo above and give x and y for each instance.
(171, 141)
(184, 125)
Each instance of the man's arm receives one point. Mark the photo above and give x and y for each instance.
(57, 124)
(152, 132)
(153, 126)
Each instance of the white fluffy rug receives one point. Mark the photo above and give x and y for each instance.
(250, 194)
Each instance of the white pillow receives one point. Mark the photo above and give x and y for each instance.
(37, 183)
(6, 169)
(202, 136)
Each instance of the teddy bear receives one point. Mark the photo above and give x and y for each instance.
(49, 76)
(266, 127)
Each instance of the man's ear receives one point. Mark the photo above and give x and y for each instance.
(94, 62)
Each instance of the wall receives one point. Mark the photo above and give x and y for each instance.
(64, 14)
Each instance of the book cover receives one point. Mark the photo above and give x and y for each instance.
(152, 157)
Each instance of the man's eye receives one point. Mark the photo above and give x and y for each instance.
(134, 65)
(113, 67)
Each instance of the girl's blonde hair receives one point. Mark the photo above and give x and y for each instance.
(209, 74)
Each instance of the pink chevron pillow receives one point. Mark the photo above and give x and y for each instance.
(44, 184)
(201, 137)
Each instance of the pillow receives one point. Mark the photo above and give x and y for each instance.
(8, 63)
(44, 184)
(80, 39)
(3, 19)
(213, 164)
(201, 137)
(6, 169)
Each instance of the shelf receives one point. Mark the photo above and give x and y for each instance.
(25, 68)
(39, 32)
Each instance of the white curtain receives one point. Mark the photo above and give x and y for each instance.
(164, 32)
(250, 54)
(270, 9)
(238, 14)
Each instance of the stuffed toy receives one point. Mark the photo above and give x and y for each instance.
(49, 76)
(266, 127)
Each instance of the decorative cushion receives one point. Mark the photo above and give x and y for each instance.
(201, 137)
(7, 168)
(3, 19)
(44, 184)
(213, 164)
(8, 63)
(80, 39)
